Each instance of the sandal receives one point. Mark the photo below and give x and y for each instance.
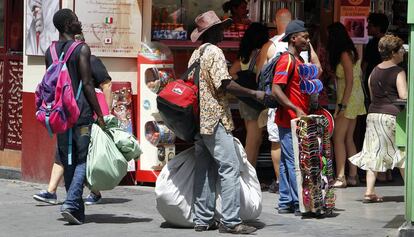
(340, 182)
(352, 181)
(372, 198)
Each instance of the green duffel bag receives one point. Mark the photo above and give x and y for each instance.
(105, 166)
(126, 143)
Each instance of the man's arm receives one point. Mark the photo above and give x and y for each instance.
(87, 82)
(106, 88)
(315, 60)
(237, 90)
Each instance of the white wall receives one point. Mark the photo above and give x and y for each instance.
(120, 69)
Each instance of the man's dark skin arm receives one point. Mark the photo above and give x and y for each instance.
(284, 101)
(87, 82)
(237, 90)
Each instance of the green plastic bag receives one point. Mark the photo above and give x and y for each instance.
(105, 166)
(126, 143)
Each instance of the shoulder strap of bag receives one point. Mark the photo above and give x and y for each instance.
(71, 49)
(193, 66)
(53, 53)
(292, 72)
(253, 62)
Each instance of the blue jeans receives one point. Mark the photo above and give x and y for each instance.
(216, 157)
(288, 189)
(75, 174)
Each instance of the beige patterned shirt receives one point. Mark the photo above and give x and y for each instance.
(214, 106)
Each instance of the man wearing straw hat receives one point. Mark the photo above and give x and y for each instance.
(215, 152)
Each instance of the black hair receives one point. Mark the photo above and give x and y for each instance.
(229, 5)
(63, 18)
(379, 20)
(254, 38)
(339, 42)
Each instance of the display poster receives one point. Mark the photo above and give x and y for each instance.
(112, 28)
(40, 31)
(354, 15)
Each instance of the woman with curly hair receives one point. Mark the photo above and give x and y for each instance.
(387, 83)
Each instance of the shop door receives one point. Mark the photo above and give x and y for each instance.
(11, 73)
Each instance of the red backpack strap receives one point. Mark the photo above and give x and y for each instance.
(71, 49)
(53, 53)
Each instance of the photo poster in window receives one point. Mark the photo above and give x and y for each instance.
(112, 28)
(354, 15)
(357, 28)
(40, 31)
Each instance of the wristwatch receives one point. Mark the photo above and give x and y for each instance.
(341, 107)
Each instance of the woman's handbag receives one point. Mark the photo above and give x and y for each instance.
(247, 79)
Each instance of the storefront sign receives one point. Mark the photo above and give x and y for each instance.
(354, 17)
(112, 28)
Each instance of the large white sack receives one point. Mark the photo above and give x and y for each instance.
(250, 191)
(174, 189)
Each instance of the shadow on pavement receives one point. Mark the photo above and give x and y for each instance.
(396, 222)
(394, 198)
(113, 219)
(114, 200)
(166, 225)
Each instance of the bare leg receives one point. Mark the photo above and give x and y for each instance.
(402, 173)
(350, 151)
(253, 140)
(371, 177)
(55, 178)
(340, 149)
(275, 154)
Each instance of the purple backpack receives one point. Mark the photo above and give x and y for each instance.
(56, 106)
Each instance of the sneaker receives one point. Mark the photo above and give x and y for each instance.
(93, 199)
(45, 196)
(297, 212)
(238, 229)
(213, 226)
(71, 218)
(274, 187)
(286, 210)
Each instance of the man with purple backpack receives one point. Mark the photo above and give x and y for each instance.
(72, 145)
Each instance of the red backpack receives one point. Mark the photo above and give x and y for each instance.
(178, 103)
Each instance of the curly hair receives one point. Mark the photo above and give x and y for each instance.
(63, 18)
(254, 38)
(388, 45)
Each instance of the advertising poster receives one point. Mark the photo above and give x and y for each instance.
(112, 28)
(354, 15)
(39, 24)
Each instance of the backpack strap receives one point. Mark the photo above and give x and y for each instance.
(53, 53)
(71, 49)
(193, 66)
(252, 63)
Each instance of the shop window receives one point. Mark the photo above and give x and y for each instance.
(174, 19)
(15, 37)
(2, 23)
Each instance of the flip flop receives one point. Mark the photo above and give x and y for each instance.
(372, 198)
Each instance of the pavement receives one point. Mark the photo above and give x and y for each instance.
(131, 211)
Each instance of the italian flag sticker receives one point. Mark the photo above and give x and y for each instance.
(109, 20)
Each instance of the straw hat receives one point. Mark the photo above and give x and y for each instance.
(205, 21)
